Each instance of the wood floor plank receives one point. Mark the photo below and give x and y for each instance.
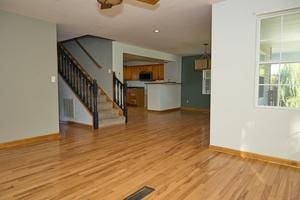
(167, 151)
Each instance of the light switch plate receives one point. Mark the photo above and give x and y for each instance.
(53, 79)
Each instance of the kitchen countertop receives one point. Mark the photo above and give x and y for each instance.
(140, 87)
(165, 83)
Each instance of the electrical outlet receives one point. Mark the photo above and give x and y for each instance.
(187, 101)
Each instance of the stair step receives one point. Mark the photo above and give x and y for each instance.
(108, 114)
(101, 98)
(113, 121)
(105, 106)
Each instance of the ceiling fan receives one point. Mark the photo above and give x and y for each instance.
(105, 4)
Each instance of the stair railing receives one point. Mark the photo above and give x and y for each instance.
(82, 85)
(120, 95)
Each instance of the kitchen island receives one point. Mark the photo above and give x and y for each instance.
(163, 96)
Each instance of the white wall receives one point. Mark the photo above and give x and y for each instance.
(172, 73)
(235, 121)
(28, 59)
(81, 114)
(120, 48)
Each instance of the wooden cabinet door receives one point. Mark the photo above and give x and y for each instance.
(135, 73)
(161, 71)
(155, 71)
(127, 73)
(140, 97)
(135, 97)
(148, 68)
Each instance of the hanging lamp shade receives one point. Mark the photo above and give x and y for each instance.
(204, 61)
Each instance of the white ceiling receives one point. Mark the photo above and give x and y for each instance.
(184, 24)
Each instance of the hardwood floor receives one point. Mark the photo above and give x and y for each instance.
(166, 151)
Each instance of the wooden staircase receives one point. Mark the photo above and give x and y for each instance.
(105, 111)
(109, 113)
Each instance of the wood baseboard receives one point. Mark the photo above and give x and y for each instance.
(167, 110)
(195, 109)
(30, 141)
(243, 154)
(77, 124)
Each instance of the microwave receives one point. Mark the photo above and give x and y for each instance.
(145, 76)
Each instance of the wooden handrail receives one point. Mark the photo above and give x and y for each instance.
(75, 61)
(88, 54)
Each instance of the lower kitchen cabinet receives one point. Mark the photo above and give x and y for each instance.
(136, 97)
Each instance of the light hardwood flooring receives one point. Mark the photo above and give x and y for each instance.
(166, 151)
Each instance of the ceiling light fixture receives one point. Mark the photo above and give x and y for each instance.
(156, 31)
(105, 4)
(204, 61)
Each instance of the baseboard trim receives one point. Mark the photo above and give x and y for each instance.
(166, 110)
(30, 141)
(195, 109)
(76, 124)
(243, 154)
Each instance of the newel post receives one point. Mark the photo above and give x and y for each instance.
(95, 110)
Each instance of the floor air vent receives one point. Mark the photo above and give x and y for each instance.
(69, 108)
(140, 194)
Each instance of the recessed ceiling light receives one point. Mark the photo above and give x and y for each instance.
(156, 31)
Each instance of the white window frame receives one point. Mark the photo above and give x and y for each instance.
(204, 82)
(257, 53)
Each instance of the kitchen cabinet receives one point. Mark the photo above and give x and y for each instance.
(147, 68)
(127, 73)
(161, 72)
(136, 97)
(133, 72)
(155, 72)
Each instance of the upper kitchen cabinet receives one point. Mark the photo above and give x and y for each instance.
(133, 72)
(127, 73)
(161, 73)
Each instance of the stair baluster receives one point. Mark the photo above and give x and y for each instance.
(120, 95)
(82, 85)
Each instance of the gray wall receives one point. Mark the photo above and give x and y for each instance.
(81, 114)
(101, 51)
(29, 101)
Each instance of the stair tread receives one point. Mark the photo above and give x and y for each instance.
(114, 121)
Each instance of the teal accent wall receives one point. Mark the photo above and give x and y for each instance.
(191, 92)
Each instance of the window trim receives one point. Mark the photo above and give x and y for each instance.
(203, 82)
(260, 17)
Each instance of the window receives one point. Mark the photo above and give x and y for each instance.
(206, 82)
(279, 61)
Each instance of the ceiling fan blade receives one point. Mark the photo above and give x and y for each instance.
(152, 2)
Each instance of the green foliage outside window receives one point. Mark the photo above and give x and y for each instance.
(289, 92)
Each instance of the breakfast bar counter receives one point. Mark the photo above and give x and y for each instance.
(163, 96)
